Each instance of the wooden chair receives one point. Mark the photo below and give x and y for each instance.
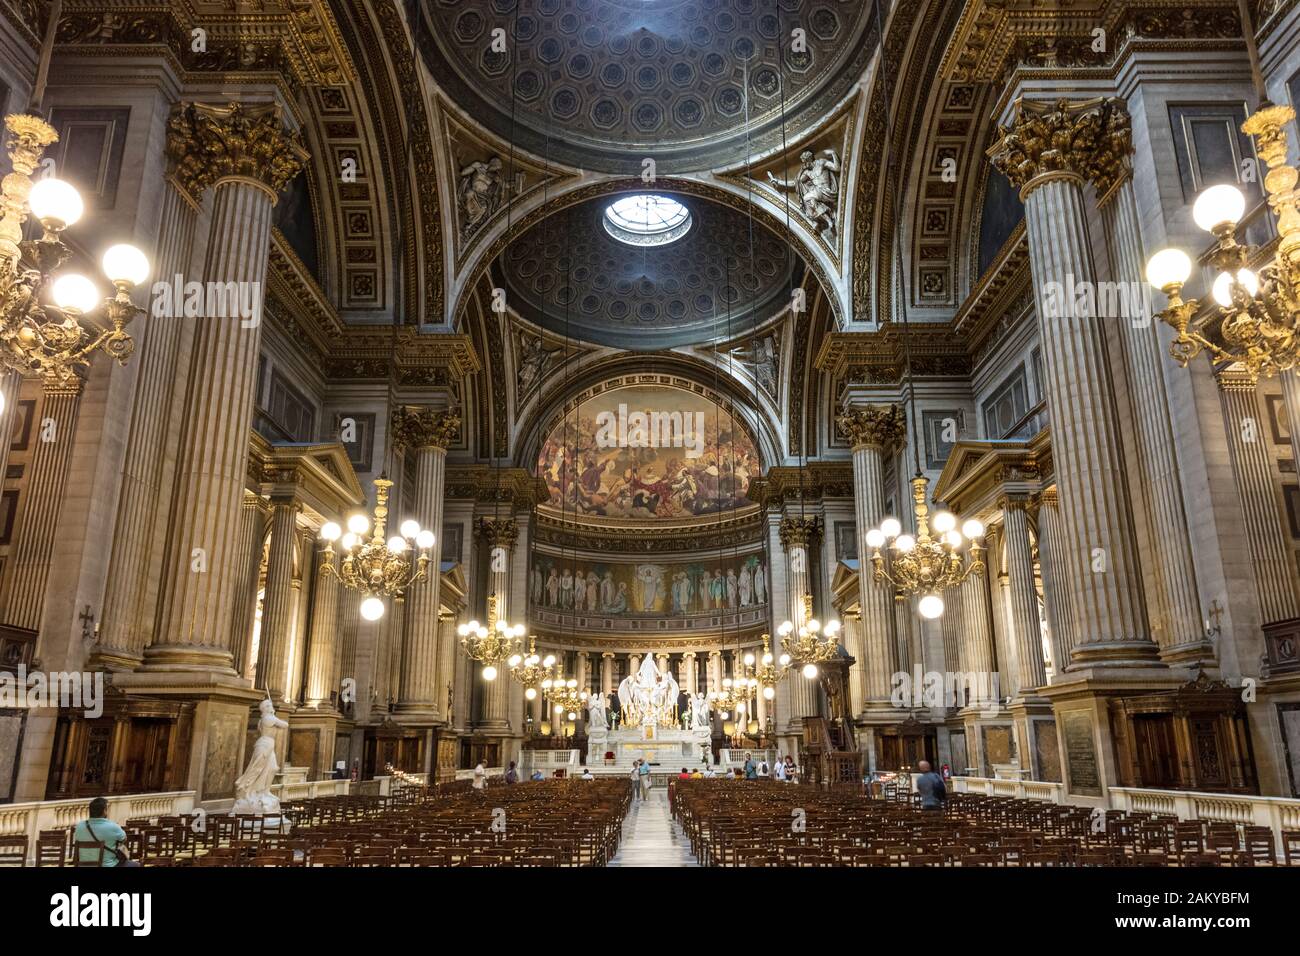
(95, 853)
(1291, 847)
(13, 850)
(52, 848)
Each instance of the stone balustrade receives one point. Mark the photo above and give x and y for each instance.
(29, 819)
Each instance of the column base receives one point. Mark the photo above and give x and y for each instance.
(111, 659)
(188, 658)
(1190, 655)
(1114, 654)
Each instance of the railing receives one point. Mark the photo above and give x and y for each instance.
(530, 760)
(29, 819)
(998, 787)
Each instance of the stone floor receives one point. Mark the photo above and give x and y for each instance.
(651, 838)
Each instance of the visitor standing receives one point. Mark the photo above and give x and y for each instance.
(751, 768)
(480, 776)
(780, 770)
(930, 786)
(645, 779)
(512, 775)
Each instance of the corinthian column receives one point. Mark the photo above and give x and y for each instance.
(1274, 573)
(1047, 152)
(874, 431)
(244, 154)
(607, 673)
(252, 537)
(1056, 592)
(29, 562)
(278, 606)
(1027, 631)
(798, 537)
(1175, 605)
(322, 657)
(426, 433)
(128, 615)
(500, 535)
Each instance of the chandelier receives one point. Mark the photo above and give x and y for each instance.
(924, 564)
(806, 650)
(373, 566)
(767, 673)
(1258, 313)
(494, 644)
(531, 669)
(48, 339)
(565, 697)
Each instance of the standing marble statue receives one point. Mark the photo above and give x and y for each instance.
(596, 713)
(253, 786)
(817, 188)
(700, 712)
(480, 192)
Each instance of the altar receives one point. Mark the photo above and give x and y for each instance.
(666, 747)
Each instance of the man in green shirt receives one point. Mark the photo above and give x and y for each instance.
(101, 829)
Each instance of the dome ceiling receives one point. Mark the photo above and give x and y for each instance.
(694, 290)
(611, 82)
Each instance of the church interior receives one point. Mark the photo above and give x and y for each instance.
(596, 433)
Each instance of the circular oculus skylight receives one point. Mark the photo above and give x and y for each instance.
(645, 219)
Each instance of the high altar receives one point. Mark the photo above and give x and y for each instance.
(650, 728)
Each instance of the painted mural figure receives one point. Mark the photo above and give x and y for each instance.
(552, 588)
(733, 588)
(593, 586)
(607, 592)
(579, 591)
(566, 589)
(717, 590)
(760, 584)
(746, 585)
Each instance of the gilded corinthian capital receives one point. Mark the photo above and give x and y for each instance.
(423, 427)
(879, 426)
(796, 531)
(206, 144)
(1091, 139)
(498, 532)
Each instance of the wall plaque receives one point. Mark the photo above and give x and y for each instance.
(1080, 754)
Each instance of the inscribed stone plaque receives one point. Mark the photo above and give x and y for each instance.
(221, 766)
(11, 735)
(1080, 754)
(1048, 750)
(997, 747)
(1289, 717)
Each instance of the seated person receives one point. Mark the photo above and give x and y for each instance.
(98, 828)
(697, 775)
(587, 774)
(684, 775)
(538, 775)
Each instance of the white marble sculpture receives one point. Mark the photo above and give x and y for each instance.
(648, 698)
(253, 786)
(596, 713)
(700, 712)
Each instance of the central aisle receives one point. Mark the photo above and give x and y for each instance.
(651, 838)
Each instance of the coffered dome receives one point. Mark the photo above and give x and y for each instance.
(611, 82)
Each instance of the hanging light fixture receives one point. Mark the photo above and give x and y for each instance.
(805, 650)
(566, 700)
(531, 669)
(768, 672)
(1257, 311)
(493, 644)
(377, 567)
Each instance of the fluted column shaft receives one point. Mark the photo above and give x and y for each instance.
(419, 689)
(1176, 605)
(278, 603)
(715, 671)
(200, 571)
(252, 536)
(128, 616)
(1057, 597)
(348, 618)
(1101, 561)
(799, 536)
(10, 389)
(1027, 632)
(607, 673)
(977, 626)
(500, 537)
(29, 562)
(879, 660)
(322, 642)
(1274, 572)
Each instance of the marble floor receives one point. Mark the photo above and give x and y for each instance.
(651, 838)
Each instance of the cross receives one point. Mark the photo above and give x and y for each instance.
(1215, 612)
(86, 618)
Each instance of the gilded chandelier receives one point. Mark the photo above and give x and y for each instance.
(806, 650)
(493, 644)
(926, 564)
(566, 699)
(767, 673)
(531, 669)
(48, 339)
(1258, 313)
(376, 567)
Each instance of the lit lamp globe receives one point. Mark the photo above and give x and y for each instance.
(75, 293)
(55, 203)
(515, 661)
(890, 527)
(904, 543)
(530, 693)
(930, 606)
(424, 540)
(769, 693)
(1222, 288)
(1169, 268)
(489, 672)
(875, 538)
(330, 531)
(749, 659)
(810, 671)
(944, 522)
(350, 541)
(1219, 207)
(358, 524)
(410, 528)
(372, 608)
(397, 544)
(973, 528)
(125, 265)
